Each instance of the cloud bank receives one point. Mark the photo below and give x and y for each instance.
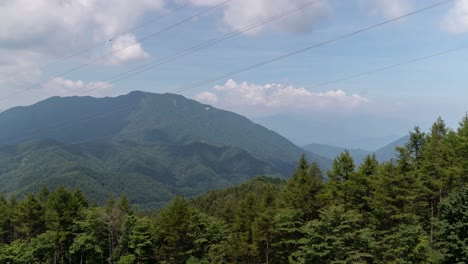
(34, 33)
(241, 13)
(277, 98)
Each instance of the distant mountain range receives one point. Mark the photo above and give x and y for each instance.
(148, 146)
(383, 154)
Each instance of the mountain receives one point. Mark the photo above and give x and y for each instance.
(382, 154)
(388, 152)
(149, 146)
(331, 152)
(363, 130)
(149, 174)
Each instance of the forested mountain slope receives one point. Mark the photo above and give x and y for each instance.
(149, 146)
(149, 174)
(144, 117)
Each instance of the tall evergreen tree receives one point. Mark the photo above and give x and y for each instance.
(437, 174)
(303, 190)
(339, 185)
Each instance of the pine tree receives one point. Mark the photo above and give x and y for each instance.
(303, 190)
(437, 176)
(361, 184)
(62, 209)
(339, 236)
(30, 217)
(452, 228)
(339, 184)
(171, 228)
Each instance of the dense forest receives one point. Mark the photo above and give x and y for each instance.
(412, 209)
(158, 147)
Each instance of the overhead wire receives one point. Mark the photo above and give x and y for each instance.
(91, 47)
(193, 49)
(257, 65)
(356, 75)
(184, 53)
(300, 51)
(116, 51)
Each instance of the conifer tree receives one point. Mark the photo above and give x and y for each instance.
(339, 185)
(452, 228)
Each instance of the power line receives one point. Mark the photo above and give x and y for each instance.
(192, 49)
(201, 46)
(308, 48)
(213, 79)
(125, 107)
(69, 56)
(257, 65)
(356, 75)
(118, 50)
(221, 38)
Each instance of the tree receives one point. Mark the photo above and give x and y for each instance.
(437, 175)
(361, 184)
(242, 246)
(341, 173)
(6, 232)
(171, 228)
(30, 217)
(114, 216)
(460, 146)
(452, 227)
(303, 189)
(63, 208)
(415, 144)
(90, 237)
(339, 236)
(140, 240)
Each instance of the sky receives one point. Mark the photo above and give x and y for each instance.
(332, 94)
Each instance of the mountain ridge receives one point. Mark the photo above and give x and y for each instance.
(384, 153)
(177, 145)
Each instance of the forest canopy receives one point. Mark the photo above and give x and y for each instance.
(412, 209)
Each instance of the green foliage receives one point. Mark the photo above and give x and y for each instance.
(340, 186)
(452, 223)
(413, 209)
(149, 174)
(339, 236)
(156, 147)
(302, 192)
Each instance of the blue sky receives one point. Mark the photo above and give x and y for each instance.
(385, 104)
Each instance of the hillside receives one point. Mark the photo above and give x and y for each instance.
(145, 117)
(365, 214)
(149, 174)
(150, 146)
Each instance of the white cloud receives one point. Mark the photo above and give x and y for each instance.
(456, 20)
(65, 87)
(125, 49)
(241, 13)
(277, 98)
(57, 26)
(207, 97)
(387, 8)
(55, 87)
(36, 32)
